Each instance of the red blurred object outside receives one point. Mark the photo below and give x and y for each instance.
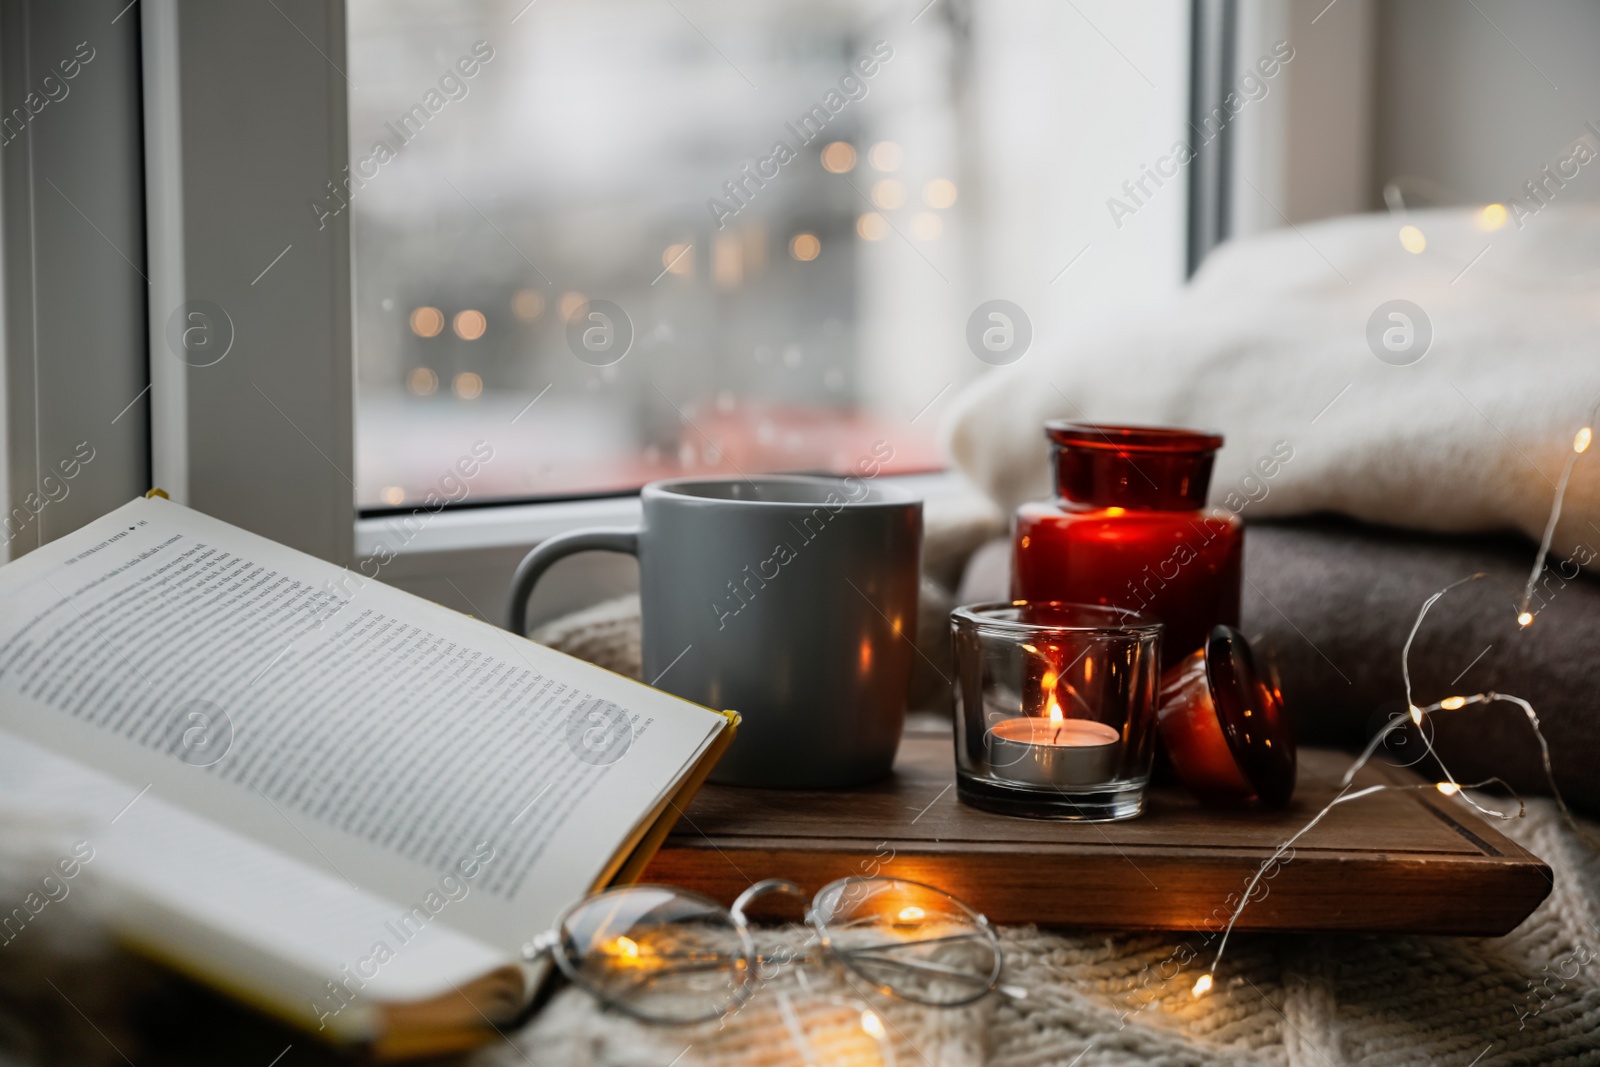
(1128, 529)
(755, 436)
(545, 456)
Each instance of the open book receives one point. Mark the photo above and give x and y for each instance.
(341, 802)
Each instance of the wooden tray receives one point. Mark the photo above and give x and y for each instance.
(1412, 861)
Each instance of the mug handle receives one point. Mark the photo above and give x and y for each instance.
(536, 562)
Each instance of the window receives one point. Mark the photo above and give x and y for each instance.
(208, 128)
(619, 240)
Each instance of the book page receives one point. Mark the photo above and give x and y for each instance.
(222, 906)
(408, 750)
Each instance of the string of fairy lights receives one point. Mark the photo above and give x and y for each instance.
(1448, 786)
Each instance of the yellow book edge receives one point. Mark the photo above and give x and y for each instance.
(647, 848)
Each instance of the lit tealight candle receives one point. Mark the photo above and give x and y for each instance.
(1055, 751)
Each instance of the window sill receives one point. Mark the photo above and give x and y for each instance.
(465, 559)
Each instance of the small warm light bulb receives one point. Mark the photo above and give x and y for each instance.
(528, 304)
(1580, 443)
(885, 155)
(1416, 715)
(889, 194)
(678, 259)
(1492, 217)
(1449, 789)
(470, 324)
(939, 193)
(427, 321)
(570, 303)
(1029, 648)
(627, 946)
(1452, 703)
(839, 157)
(911, 914)
(872, 1024)
(1525, 619)
(1202, 985)
(805, 247)
(1412, 241)
(872, 226)
(422, 381)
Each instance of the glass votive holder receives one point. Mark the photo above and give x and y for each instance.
(1055, 708)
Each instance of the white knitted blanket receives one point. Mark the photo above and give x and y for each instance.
(1279, 343)
(1532, 997)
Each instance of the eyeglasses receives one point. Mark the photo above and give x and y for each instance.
(665, 955)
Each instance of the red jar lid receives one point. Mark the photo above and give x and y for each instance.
(1137, 467)
(1132, 438)
(1224, 727)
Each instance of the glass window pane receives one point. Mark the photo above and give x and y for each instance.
(619, 240)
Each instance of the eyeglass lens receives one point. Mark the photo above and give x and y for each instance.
(658, 954)
(908, 939)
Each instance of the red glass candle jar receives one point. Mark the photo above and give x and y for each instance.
(1128, 528)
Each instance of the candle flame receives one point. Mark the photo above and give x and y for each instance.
(1056, 718)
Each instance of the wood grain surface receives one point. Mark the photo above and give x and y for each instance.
(1396, 861)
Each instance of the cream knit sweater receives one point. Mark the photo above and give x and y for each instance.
(1532, 997)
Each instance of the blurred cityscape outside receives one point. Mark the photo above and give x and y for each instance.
(515, 164)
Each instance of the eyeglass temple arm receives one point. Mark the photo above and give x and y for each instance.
(537, 947)
(767, 885)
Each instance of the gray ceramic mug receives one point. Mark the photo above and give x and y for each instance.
(791, 600)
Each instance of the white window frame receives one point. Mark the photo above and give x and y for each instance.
(72, 261)
(265, 438)
(245, 108)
